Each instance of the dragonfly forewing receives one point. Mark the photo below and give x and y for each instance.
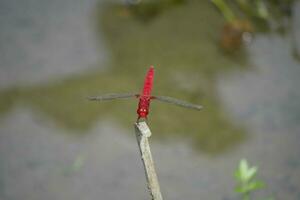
(177, 102)
(112, 96)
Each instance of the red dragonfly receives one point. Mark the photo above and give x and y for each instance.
(145, 97)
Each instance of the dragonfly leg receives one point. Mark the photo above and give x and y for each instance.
(141, 119)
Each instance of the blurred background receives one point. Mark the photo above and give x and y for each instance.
(240, 59)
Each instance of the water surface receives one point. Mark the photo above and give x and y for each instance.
(46, 41)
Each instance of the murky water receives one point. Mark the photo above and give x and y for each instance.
(49, 40)
(40, 160)
(266, 99)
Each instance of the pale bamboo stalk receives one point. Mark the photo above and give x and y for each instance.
(142, 134)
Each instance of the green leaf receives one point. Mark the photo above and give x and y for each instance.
(241, 189)
(249, 187)
(250, 173)
(254, 185)
(238, 175)
(225, 9)
(243, 168)
(243, 165)
(244, 173)
(262, 10)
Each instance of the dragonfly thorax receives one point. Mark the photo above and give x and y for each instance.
(143, 107)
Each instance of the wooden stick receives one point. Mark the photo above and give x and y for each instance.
(142, 134)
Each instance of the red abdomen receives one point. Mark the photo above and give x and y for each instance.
(145, 97)
(148, 84)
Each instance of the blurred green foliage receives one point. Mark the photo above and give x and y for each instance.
(246, 180)
(259, 12)
(146, 10)
(245, 17)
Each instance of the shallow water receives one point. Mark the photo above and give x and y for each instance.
(48, 40)
(41, 160)
(267, 101)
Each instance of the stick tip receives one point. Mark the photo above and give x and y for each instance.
(143, 128)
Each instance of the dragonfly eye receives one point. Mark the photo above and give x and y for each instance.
(143, 110)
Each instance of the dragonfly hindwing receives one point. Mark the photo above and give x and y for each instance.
(112, 96)
(177, 102)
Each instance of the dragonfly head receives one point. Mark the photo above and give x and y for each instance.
(142, 112)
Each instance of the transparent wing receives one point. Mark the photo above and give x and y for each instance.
(177, 102)
(112, 96)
